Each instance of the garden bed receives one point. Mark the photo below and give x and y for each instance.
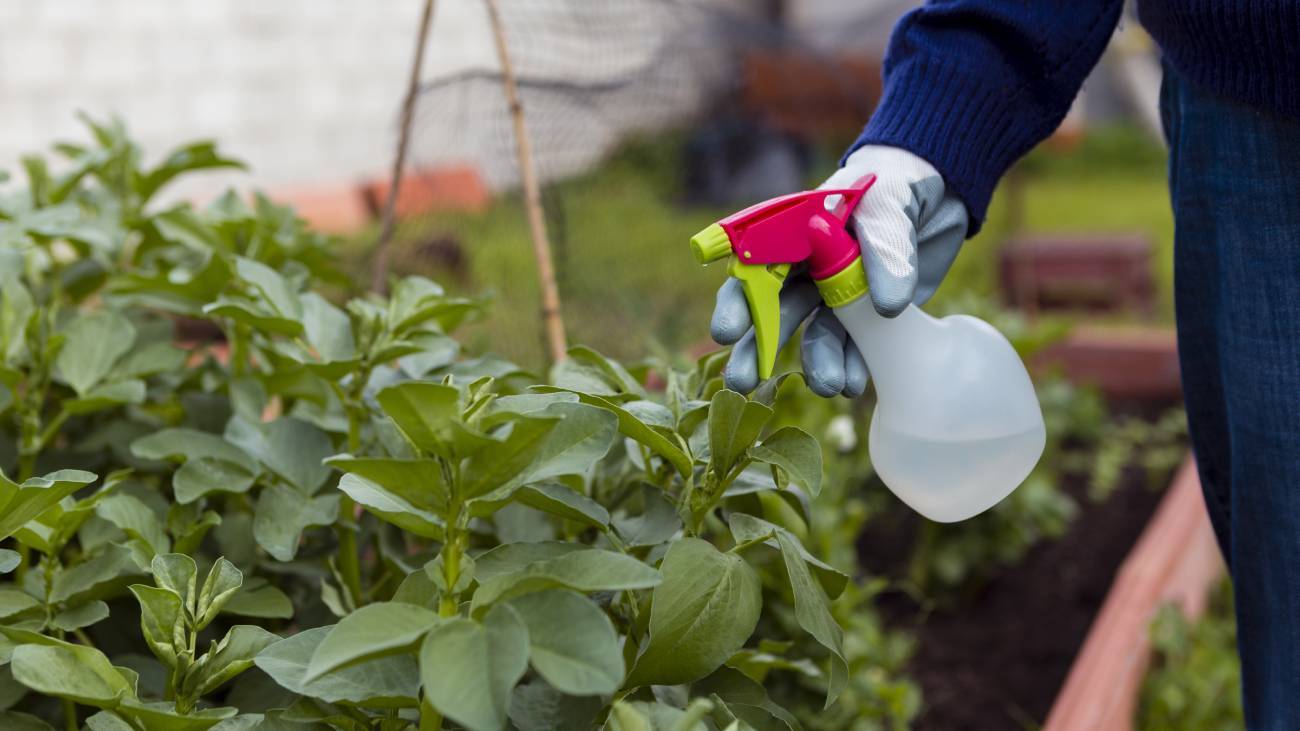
(998, 658)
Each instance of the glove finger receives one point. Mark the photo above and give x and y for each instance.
(730, 313)
(822, 353)
(939, 238)
(856, 374)
(798, 298)
(888, 244)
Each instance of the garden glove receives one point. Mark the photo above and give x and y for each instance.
(909, 227)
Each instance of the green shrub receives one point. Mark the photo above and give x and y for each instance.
(329, 515)
(1195, 677)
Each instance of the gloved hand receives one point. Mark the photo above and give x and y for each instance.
(910, 229)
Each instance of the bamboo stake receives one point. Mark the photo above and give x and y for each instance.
(552, 321)
(379, 273)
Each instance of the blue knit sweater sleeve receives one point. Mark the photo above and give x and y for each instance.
(972, 85)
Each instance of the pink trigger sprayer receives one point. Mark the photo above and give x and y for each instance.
(957, 426)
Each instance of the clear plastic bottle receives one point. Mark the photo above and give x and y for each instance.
(957, 425)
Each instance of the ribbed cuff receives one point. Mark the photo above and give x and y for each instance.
(969, 131)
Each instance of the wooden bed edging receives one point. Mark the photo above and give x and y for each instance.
(1176, 560)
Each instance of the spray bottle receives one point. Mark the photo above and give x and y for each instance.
(957, 426)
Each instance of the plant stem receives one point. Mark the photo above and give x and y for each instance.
(379, 274)
(346, 528)
(349, 552)
(69, 715)
(430, 719)
(454, 545)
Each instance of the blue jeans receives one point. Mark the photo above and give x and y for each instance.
(1234, 180)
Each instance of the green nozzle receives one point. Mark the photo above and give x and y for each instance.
(711, 244)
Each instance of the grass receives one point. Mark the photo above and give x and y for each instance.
(629, 285)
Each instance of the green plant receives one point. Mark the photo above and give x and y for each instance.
(1195, 677)
(1154, 447)
(439, 539)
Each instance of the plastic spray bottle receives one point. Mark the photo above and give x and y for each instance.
(957, 425)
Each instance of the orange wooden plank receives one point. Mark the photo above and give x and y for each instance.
(1176, 560)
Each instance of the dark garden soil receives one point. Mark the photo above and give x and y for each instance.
(997, 659)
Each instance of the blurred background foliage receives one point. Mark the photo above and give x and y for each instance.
(620, 230)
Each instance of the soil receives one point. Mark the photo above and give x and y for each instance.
(997, 659)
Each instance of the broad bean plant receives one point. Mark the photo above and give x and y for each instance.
(232, 498)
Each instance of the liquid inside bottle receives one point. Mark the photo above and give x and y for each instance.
(957, 425)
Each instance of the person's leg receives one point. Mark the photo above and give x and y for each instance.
(1235, 187)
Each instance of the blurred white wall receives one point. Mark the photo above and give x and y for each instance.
(304, 90)
(308, 91)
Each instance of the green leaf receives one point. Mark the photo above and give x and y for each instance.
(151, 359)
(536, 706)
(746, 528)
(253, 314)
(182, 225)
(504, 464)
(416, 481)
(221, 584)
(553, 498)
(82, 615)
(583, 571)
(373, 631)
(512, 557)
(798, 453)
(657, 522)
(162, 715)
(294, 450)
(813, 612)
(162, 620)
(231, 656)
(76, 672)
(9, 560)
(469, 669)
(16, 721)
(387, 682)
(414, 301)
(94, 577)
(136, 520)
(258, 598)
(734, 423)
(184, 444)
(328, 329)
(429, 351)
(427, 413)
(418, 588)
(206, 475)
(13, 601)
(274, 289)
(108, 721)
(504, 408)
(92, 344)
(581, 438)
(746, 699)
(658, 716)
(611, 370)
(200, 155)
(21, 503)
(703, 612)
(107, 395)
(283, 514)
(391, 507)
(573, 645)
(633, 428)
(177, 573)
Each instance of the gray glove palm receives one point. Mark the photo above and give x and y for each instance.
(910, 229)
